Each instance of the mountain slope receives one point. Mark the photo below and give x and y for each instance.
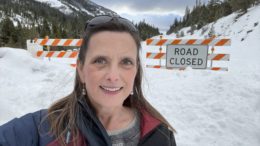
(84, 6)
(39, 18)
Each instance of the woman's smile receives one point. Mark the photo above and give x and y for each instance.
(111, 90)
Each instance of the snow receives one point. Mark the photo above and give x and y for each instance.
(57, 4)
(207, 108)
(63, 7)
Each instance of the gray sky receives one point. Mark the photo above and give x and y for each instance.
(160, 13)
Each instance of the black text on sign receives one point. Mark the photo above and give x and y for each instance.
(179, 56)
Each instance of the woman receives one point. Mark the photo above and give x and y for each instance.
(107, 106)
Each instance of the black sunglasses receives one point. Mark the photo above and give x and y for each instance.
(98, 20)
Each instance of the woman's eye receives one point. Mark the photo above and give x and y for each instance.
(127, 62)
(100, 61)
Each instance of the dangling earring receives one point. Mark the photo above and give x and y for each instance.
(132, 93)
(83, 92)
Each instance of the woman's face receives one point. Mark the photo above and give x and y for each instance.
(110, 68)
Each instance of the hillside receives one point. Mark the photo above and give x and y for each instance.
(86, 7)
(25, 19)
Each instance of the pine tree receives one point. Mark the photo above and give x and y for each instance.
(45, 31)
(55, 31)
(7, 31)
(241, 4)
(146, 30)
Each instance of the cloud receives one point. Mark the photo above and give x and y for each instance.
(158, 13)
(139, 6)
(161, 21)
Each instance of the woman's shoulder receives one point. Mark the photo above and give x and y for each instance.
(27, 120)
(24, 130)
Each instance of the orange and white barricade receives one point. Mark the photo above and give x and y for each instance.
(210, 42)
(36, 48)
(58, 42)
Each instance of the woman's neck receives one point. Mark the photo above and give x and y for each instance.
(115, 118)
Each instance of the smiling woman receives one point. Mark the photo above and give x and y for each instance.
(107, 106)
(109, 69)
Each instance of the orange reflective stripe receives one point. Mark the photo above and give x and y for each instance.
(206, 41)
(218, 57)
(73, 54)
(67, 42)
(222, 42)
(73, 65)
(44, 41)
(149, 41)
(148, 54)
(158, 56)
(157, 66)
(175, 42)
(49, 54)
(79, 42)
(61, 54)
(191, 41)
(39, 53)
(161, 42)
(215, 68)
(55, 42)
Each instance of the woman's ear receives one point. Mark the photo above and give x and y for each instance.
(80, 71)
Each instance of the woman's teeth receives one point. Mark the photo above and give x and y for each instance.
(112, 89)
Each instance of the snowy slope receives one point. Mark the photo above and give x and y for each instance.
(68, 8)
(206, 108)
(59, 5)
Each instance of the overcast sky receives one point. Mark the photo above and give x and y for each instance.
(160, 13)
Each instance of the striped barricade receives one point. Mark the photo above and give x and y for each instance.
(56, 54)
(203, 42)
(39, 53)
(58, 42)
(209, 42)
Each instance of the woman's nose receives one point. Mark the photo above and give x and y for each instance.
(113, 73)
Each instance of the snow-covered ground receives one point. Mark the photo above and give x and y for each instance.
(207, 108)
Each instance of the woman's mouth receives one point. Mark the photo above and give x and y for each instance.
(112, 90)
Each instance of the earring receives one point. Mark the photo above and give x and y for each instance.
(83, 92)
(131, 93)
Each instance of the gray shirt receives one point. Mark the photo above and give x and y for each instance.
(128, 136)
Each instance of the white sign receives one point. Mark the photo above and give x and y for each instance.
(179, 56)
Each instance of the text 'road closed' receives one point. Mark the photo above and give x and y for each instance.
(179, 56)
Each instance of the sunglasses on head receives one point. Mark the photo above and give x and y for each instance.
(98, 20)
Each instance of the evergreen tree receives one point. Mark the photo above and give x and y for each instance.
(146, 31)
(7, 31)
(241, 4)
(45, 31)
(55, 31)
(204, 14)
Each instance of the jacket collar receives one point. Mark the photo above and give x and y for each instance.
(148, 123)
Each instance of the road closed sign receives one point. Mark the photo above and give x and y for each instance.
(179, 56)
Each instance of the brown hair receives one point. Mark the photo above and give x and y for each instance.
(62, 114)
